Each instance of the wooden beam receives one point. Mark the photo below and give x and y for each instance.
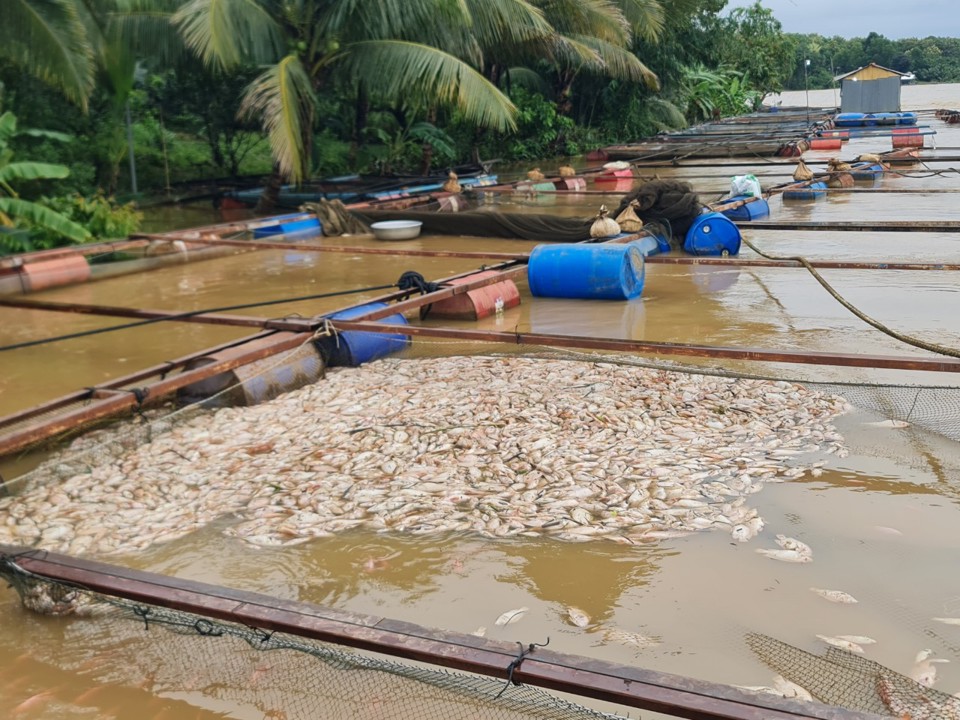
(810, 357)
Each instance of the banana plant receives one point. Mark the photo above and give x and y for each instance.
(12, 206)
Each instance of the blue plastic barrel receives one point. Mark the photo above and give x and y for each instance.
(809, 192)
(712, 234)
(887, 118)
(648, 245)
(354, 347)
(752, 210)
(908, 118)
(600, 272)
(848, 120)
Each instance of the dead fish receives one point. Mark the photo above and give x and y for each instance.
(788, 543)
(924, 671)
(791, 556)
(511, 616)
(760, 689)
(790, 689)
(837, 596)
(887, 530)
(842, 644)
(480, 632)
(858, 639)
(578, 617)
(890, 424)
(948, 621)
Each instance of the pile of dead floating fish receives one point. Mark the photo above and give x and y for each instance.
(502, 447)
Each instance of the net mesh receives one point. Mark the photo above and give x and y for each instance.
(239, 671)
(842, 678)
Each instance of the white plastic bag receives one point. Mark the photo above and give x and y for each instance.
(745, 185)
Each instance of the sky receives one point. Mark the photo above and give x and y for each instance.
(857, 18)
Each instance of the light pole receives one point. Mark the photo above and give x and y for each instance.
(806, 86)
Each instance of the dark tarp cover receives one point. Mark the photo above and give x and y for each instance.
(543, 228)
(672, 203)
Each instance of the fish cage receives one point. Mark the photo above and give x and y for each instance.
(176, 646)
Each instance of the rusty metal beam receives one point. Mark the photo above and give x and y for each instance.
(153, 393)
(355, 250)
(855, 225)
(154, 371)
(625, 685)
(888, 362)
(824, 264)
(145, 313)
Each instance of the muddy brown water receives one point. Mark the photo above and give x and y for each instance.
(883, 521)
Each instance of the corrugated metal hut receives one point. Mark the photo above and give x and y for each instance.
(870, 89)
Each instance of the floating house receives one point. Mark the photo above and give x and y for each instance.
(870, 89)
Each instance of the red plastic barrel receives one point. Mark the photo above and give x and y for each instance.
(907, 137)
(571, 183)
(54, 273)
(823, 143)
(479, 303)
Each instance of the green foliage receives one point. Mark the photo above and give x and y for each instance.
(758, 48)
(15, 210)
(541, 130)
(102, 217)
(715, 93)
(931, 59)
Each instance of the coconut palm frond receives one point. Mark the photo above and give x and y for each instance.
(49, 38)
(147, 26)
(531, 80)
(621, 63)
(498, 22)
(226, 33)
(571, 52)
(667, 115)
(383, 19)
(43, 216)
(602, 19)
(283, 99)
(646, 17)
(420, 70)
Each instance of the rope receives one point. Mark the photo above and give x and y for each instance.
(908, 339)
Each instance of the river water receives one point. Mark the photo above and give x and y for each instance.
(882, 521)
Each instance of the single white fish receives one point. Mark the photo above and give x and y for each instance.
(842, 644)
(578, 617)
(858, 639)
(791, 556)
(761, 689)
(480, 632)
(949, 621)
(511, 616)
(790, 689)
(887, 530)
(741, 533)
(890, 424)
(925, 672)
(788, 543)
(837, 596)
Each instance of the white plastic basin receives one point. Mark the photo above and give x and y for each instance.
(396, 229)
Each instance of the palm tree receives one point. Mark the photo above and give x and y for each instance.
(50, 39)
(397, 51)
(11, 204)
